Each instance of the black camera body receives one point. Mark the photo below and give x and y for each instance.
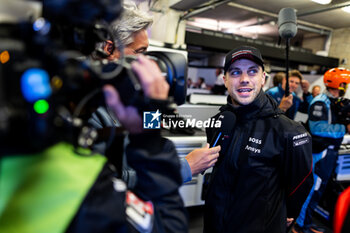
(47, 87)
(173, 67)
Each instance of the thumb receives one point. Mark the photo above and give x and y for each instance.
(207, 146)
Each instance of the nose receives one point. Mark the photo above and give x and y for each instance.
(244, 78)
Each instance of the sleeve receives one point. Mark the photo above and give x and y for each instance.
(273, 93)
(297, 169)
(186, 172)
(308, 97)
(101, 119)
(292, 111)
(318, 122)
(158, 179)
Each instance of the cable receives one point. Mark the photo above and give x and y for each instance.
(83, 102)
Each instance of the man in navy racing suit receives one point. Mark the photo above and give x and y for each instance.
(264, 172)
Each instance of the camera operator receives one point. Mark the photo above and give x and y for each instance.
(56, 185)
(131, 28)
(60, 191)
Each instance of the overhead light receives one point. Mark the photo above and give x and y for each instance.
(252, 29)
(323, 2)
(346, 9)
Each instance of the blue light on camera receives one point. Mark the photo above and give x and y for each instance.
(42, 26)
(35, 84)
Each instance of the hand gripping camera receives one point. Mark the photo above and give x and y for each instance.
(46, 85)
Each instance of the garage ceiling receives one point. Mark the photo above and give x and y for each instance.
(258, 18)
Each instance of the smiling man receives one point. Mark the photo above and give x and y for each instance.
(244, 78)
(292, 103)
(264, 172)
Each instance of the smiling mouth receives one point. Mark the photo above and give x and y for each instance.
(244, 90)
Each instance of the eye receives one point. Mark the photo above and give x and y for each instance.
(235, 72)
(253, 71)
(140, 50)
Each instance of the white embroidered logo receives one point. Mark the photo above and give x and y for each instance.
(254, 140)
(253, 149)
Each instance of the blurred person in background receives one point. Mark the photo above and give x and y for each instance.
(219, 86)
(316, 90)
(189, 83)
(201, 83)
(292, 103)
(327, 130)
(277, 78)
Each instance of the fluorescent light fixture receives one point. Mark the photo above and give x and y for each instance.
(346, 9)
(251, 29)
(323, 2)
(226, 24)
(211, 24)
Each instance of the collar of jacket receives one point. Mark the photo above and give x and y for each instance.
(330, 96)
(280, 89)
(263, 106)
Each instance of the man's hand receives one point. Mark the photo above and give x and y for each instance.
(305, 86)
(153, 82)
(286, 102)
(154, 86)
(202, 159)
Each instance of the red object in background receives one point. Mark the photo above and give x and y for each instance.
(341, 222)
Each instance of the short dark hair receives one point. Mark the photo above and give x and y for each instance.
(277, 79)
(296, 73)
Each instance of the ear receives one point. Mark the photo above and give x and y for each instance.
(263, 78)
(108, 47)
(225, 79)
(112, 52)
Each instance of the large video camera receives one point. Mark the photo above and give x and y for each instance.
(47, 89)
